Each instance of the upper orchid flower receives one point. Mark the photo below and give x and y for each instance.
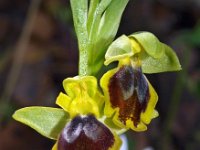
(130, 98)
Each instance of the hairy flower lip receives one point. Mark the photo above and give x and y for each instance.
(130, 79)
(85, 132)
(129, 91)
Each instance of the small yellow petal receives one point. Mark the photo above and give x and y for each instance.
(63, 101)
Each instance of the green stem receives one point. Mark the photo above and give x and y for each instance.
(83, 62)
(80, 16)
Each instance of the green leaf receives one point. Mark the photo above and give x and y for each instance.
(150, 43)
(110, 20)
(80, 16)
(46, 120)
(167, 62)
(80, 13)
(91, 14)
(120, 48)
(105, 33)
(96, 19)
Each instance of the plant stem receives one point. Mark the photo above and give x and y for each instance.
(80, 17)
(83, 61)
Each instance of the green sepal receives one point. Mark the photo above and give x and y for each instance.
(156, 56)
(167, 62)
(48, 121)
(120, 48)
(150, 43)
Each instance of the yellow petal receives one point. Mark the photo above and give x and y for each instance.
(63, 101)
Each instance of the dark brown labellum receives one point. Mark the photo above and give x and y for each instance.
(128, 90)
(85, 133)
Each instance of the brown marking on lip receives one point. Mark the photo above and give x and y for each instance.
(85, 133)
(128, 90)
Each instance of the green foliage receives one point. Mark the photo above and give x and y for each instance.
(47, 121)
(96, 29)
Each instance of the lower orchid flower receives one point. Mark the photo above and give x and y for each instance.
(81, 123)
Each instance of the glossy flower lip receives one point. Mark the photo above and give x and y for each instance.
(130, 98)
(85, 133)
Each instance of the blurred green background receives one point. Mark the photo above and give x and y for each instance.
(38, 49)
